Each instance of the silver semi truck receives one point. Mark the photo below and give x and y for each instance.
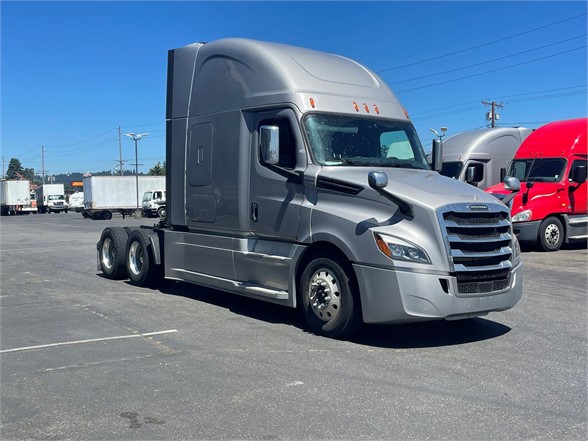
(480, 157)
(296, 177)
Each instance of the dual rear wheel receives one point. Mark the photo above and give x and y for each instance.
(126, 253)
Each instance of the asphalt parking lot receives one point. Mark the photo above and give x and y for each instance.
(84, 357)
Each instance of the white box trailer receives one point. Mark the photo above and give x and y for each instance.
(15, 197)
(104, 195)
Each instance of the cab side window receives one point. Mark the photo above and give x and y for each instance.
(577, 163)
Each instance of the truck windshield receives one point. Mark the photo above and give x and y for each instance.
(343, 140)
(56, 197)
(537, 169)
(147, 196)
(452, 169)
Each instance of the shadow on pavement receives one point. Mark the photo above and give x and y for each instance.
(405, 336)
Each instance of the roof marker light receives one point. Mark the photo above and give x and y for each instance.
(367, 109)
(355, 106)
(312, 102)
(405, 113)
(376, 109)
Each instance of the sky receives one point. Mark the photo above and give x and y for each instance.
(72, 73)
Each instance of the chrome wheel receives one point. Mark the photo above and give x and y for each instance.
(325, 295)
(135, 258)
(108, 253)
(552, 234)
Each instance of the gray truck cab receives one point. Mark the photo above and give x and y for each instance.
(296, 177)
(480, 157)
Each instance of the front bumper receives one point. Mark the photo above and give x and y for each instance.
(526, 231)
(389, 296)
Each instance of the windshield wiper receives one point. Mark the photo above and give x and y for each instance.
(402, 165)
(537, 179)
(355, 162)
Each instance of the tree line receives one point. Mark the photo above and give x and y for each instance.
(16, 170)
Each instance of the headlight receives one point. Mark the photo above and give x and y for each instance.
(516, 251)
(398, 249)
(523, 216)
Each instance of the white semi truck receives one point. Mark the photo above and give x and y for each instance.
(296, 177)
(104, 195)
(51, 198)
(15, 197)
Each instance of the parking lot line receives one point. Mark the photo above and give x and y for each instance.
(119, 337)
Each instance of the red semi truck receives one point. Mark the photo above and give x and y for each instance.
(550, 208)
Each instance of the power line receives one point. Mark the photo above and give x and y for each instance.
(500, 97)
(491, 71)
(81, 142)
(482, 45)
(487, 61)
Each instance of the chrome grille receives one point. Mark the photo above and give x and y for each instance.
(479, 245)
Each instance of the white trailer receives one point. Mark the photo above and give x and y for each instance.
(51, 198)
(104, 195)
(15, 197)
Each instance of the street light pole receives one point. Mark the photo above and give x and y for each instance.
(444, 130)
(136, 137)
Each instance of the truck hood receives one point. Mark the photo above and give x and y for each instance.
(421, 187)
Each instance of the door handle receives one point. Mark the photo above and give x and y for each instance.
(254, 211)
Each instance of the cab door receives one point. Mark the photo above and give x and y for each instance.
(276, 190)
(277, 162)
(577, 191)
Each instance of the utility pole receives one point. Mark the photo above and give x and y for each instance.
(120, 153)
(493, 116)
(43, 162)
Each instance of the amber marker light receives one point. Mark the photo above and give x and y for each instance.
(355, 106)
(376, 109)
(366, 108)
(382, 246)
(312, 103)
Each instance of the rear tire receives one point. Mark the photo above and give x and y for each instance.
(329, 297)
(551, 234)
(112, 251)
(140, 263)
(106, 215)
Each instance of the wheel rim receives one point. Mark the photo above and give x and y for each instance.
(552, 234)
(324, 295)
(135, 258)
(108, 253)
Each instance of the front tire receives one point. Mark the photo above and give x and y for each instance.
(329, 297)
(140, 263)
(161, 212)
(551, 234)
(111, 252)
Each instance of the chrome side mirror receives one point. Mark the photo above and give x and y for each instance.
(512, 184)
(377, 180)
(269, 144)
